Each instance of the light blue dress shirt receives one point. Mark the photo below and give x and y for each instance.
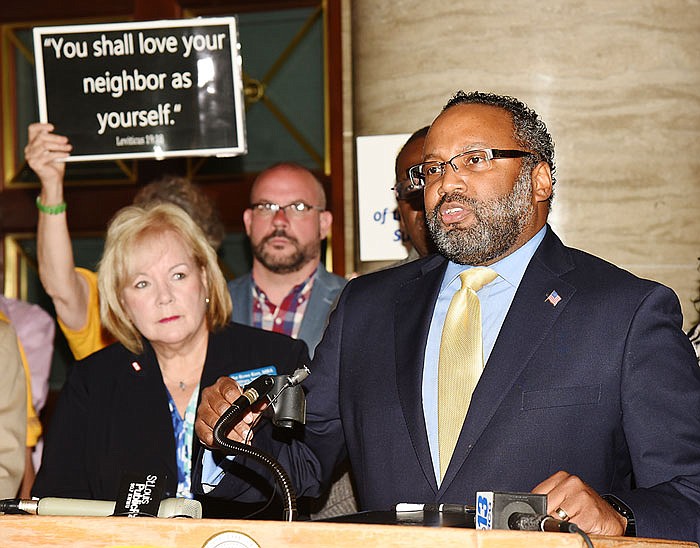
(495, 299)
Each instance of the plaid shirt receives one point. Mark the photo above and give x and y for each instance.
(285, 318)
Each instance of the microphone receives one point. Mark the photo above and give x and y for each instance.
(54, 506)
(287, 402)
(520, 511)
(494, 508)
(282, 392)
(230, 447)
(540, 522)
(253, 392)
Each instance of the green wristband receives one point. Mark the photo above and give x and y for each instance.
(50, 210)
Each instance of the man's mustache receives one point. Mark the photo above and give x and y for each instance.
(471, 203)
(278, 233)
(455, 197)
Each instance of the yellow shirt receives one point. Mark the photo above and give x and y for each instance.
(91, 337)
(33, 423)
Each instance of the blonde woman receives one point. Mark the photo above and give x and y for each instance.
(130, 407)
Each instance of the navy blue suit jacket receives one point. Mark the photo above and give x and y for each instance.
(603, 385)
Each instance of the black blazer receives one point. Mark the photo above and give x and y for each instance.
(604, 385)
(111, 418)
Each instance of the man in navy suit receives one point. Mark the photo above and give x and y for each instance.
(590, 393)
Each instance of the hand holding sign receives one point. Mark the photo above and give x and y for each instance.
(43, 151)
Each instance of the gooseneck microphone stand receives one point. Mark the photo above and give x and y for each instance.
(234, 414)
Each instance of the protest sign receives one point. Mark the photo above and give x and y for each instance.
(145, 89)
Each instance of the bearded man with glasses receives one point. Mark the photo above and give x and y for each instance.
(582, 384)
(288, 289)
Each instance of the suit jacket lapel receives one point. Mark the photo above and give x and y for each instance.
(412, 315)
(529, 320)
(320, 304)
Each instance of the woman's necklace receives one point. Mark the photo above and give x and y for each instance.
(182, 384)
(179, 376)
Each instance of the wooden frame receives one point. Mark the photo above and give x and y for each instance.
(18, 110)
(329, 167)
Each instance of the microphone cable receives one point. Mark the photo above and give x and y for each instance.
(275, 489)
(585, 537)
(246, 442)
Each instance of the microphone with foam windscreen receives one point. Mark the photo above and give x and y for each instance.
(287, 402)
(283, 393)
(54, 506)
(180, 508)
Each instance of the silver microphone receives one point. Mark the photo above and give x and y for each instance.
(55, 506)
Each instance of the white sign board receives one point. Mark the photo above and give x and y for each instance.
(380, 236)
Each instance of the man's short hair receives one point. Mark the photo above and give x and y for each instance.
(293, 166)
(529, 129)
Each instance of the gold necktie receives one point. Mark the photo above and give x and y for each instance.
(461, 360)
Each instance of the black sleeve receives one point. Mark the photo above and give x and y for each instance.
(63, 471)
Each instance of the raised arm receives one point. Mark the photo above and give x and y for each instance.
(67, 289)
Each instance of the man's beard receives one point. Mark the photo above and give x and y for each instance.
(284, 264)
(498, 224)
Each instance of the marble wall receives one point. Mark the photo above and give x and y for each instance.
(617, 82)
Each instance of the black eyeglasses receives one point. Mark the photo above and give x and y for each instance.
(472, 161)
(295, 209)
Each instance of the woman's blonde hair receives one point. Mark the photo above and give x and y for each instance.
(127, 229)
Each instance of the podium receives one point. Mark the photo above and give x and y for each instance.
(123, 532)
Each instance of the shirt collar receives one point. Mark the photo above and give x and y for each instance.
(297, 290)
(510, 268)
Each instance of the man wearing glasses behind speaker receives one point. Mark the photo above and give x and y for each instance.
(581, 384)
(288, 290)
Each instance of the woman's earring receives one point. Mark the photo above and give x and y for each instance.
(206, 300)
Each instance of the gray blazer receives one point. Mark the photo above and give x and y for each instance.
(324, 294)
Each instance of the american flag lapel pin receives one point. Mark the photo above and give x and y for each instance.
(553, 298)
